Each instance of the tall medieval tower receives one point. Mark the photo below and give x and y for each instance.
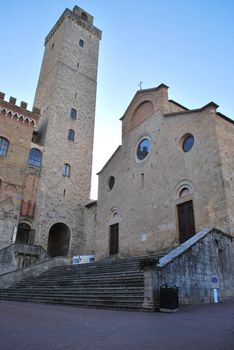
(66, 95)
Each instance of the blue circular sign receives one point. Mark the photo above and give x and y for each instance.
(214, 279)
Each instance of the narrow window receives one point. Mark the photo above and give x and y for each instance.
(4, 144)
(66, 170)
(71, 135)
(34, 158)
(111, 182)
(142, 181)
(73, 113)
(81, 43)
(84, 16)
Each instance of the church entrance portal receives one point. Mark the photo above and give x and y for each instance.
(186, 221)
(59, 240)
(114, 239)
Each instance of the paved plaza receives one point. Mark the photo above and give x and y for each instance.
(46, 327)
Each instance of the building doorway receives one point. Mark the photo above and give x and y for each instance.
(59, 240)
(23, 234)
(114, 239)
(186, 221)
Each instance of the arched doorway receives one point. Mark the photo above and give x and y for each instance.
(23, 233)
(59, 240)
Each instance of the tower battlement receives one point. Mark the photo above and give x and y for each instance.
(80, 17)
(20, 113)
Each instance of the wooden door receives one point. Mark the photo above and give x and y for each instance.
(114, 239)
(186, 221)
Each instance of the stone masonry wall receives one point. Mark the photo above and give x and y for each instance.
(90, 214)
(13, 168)
(192, 271)
(225, 136)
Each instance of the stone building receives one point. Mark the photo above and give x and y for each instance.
(66, 94)
(58, 184)
(171, 177)
(167, 192)
(18, 177)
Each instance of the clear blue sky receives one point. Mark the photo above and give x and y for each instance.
(187, 45)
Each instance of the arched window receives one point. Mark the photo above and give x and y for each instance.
(4, 144)
(84, 16)
(66, 170)
(184, 192)
(34, 157)
(71, 135)
(73, 113)
(81, 43)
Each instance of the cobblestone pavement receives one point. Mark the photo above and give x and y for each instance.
(48, 327)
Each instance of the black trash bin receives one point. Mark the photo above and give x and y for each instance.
(169, 298)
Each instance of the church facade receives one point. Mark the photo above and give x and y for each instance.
(171, 177)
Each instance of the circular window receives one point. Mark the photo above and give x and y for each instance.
(188, 143)
(143, 149)
(111, 182)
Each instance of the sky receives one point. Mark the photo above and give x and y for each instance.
(187, 45)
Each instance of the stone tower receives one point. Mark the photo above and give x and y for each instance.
(66, 94)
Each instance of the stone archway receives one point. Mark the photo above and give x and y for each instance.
(59, 240)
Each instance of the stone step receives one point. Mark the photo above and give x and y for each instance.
(78, 288)
(113, 283)
(84, 279)
(132, 279)
(71, 296)
(74, 272)
(136, 297)
(123, 305)
(98, 274)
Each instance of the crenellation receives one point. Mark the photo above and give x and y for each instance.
(12, 100)
(2, 95)
(10, 109)
(23, 105)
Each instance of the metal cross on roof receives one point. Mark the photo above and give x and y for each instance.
(141, 82)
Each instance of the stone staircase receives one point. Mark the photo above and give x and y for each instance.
(110, 283)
